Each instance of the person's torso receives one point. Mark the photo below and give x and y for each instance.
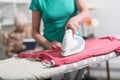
(55, 14)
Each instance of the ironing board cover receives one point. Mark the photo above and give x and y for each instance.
(93, 47)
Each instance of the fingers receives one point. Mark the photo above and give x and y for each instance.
(58, 44)
(74, 26)
(55, 45)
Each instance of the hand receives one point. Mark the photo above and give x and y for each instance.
(54, 45)
(73, 24)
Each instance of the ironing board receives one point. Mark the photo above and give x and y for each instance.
(25, 69)
(30, 69)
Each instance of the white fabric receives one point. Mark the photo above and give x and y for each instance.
(24, 69)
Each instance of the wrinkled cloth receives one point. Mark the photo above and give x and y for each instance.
(93, 47)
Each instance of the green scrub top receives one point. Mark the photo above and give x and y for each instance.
(55, 14)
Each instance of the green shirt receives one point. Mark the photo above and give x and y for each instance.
(55, 14)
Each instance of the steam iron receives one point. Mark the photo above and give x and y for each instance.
(72, 44)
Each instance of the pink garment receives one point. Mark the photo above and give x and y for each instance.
(93, 47)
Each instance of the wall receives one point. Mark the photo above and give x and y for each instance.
(108, 14)
(8, 10)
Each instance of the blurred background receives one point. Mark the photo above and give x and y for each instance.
(105, 17)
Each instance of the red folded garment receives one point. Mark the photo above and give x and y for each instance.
(93, 47)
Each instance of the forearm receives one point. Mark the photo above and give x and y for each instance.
(40, 39)
(83, 14)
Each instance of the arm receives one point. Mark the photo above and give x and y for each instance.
(82, 16)
(36, 21)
